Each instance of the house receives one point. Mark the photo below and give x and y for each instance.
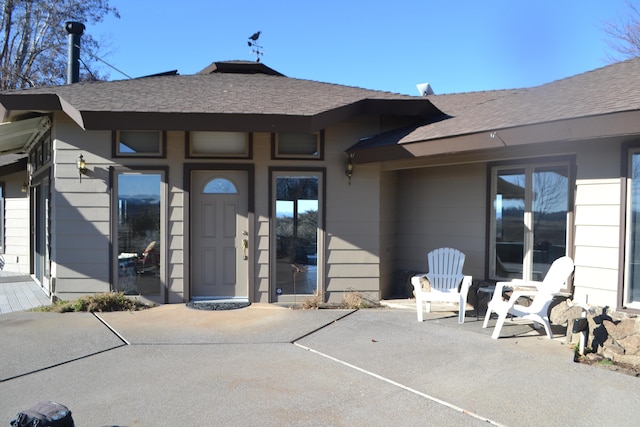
(225, 184)
(232, 183)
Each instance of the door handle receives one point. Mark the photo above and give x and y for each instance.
(245, 246)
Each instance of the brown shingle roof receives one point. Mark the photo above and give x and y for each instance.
(217, 93)
(611, 89)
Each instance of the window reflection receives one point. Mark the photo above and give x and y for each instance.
(296, 225)
(530, 219)
(139, 233)
(509, 206)
(632, 284)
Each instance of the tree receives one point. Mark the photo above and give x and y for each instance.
(34, 43)
(624, 35)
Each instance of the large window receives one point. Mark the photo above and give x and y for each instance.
(139, 232)
(297, 222)
(631, 292)
(529, 217)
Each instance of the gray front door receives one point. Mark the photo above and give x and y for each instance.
(219, 234)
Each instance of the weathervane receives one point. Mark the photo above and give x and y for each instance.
(253, 44)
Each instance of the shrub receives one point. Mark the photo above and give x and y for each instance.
(313, 302)
(109, 301)
(354, 300)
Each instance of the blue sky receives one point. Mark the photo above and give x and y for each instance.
(455, 45)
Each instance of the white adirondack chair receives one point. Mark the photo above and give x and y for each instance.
(542, 293)
(448, 284)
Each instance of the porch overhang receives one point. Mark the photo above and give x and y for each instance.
(18, 136)
(399, 145)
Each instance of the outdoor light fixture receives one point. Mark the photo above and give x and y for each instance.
(349, 167)
(82, 166)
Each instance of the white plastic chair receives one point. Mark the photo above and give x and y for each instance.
(448, 284)
(542, 293)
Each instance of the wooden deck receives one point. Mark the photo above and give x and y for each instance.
(19, 292)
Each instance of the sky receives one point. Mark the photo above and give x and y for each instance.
(454, 45)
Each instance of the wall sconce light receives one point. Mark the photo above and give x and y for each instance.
(82, 166)
(25, 187)
(349, 167)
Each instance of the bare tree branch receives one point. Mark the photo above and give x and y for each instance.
(624, 35)
(34, 42)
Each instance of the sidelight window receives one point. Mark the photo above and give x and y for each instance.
(139, 232)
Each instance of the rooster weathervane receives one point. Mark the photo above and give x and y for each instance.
(253, 44)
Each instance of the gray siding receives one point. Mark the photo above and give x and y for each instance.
(354, 217)
(442, 206)
(80, 213)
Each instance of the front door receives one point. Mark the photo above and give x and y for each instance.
(219, 234)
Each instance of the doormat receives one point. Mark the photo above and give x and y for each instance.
(14, 279)
(218, 305)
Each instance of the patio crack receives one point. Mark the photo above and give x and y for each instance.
(388, 380)
(321, 327)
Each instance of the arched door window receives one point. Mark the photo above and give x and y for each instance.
(220, 186)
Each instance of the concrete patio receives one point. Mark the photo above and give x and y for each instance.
(268, 365)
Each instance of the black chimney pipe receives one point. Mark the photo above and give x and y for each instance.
(75, 30)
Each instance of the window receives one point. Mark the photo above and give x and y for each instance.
(219, 144)
(139, 232)
(220, 186)
(40, 154)
(296, 241)
(529, 218)
(298, 145)
(139, 143)
(631, 293)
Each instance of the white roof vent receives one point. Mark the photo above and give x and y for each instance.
(425, 89)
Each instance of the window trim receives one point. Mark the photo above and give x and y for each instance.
(627, 151)
(114, 171)
(274, 172)
(115, 149)
(275, 155)
(570, 161)
(248, 154)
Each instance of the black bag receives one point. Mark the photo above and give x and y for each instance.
(44, 414)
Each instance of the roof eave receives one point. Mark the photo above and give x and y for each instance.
(15, 104)
(127, 120)
(575, 129)
(10, 104)
(249, 122)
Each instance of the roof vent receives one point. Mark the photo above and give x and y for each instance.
(425, 89)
